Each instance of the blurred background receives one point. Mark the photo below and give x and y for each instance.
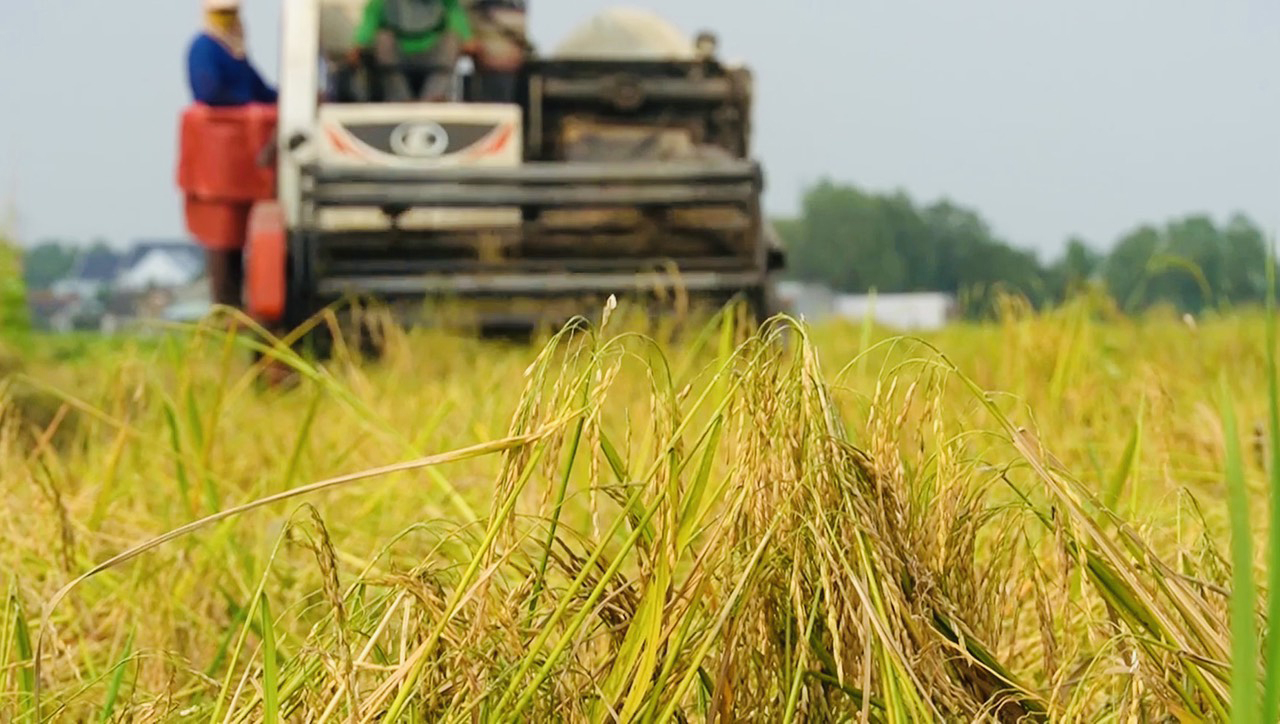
(1049, 122)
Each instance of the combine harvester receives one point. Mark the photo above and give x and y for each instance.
(624, 168)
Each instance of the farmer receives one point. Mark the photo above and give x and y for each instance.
(414, 45)
(221, 75)
(706, 45)
(218, 65)
(499, 48)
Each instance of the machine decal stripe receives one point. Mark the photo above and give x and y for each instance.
(336, 137)
(497, 141)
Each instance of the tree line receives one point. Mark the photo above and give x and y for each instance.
(855, 241)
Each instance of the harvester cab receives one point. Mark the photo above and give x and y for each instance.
(622, 167)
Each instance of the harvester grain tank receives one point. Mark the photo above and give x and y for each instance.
(623, 167)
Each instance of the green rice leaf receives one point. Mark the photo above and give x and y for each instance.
(1271, 694)
(1244, 659)
(1128, 461)
(270, 670)
(117, 679)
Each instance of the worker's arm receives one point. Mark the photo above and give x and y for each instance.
(370, 23)
(206, 74)
(262, 93)
(458, 20)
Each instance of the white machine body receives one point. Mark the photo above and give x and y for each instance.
(378, 135)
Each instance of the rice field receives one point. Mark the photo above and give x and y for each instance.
(1020, 520)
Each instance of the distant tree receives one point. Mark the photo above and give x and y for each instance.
(1244, 277)
(14, 315)
(917, 250)
(1189, 268)
(1125, 270)
(847, 243)
(1078, 266)
(854, 241)
(47, 263)
(976, 265)
(1190, 264)
(100, 246)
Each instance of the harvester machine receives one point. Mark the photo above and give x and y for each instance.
(623, 167)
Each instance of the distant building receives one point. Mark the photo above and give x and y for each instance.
(160, 265)
(811, 302)
(189, 303)
(50, 310)
(66, 313)
(187, 312)
(915, 311)
(94, 273)
(108, 290)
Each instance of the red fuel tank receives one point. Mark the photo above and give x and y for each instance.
(220, 172)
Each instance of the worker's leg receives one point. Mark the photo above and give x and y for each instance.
(442, 63)
(390, 62)
(226, 276)
(496, 86)
(416, 77)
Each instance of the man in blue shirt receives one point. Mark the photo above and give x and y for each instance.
(218, 65)
(221, 75)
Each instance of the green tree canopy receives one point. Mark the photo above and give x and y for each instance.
(855, 241)
(47, 262)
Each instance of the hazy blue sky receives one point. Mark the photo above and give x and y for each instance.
(1051, 118)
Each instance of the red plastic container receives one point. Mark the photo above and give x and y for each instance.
(219, 171)
(266, 259)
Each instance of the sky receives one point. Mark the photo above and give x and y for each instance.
(1051, 119)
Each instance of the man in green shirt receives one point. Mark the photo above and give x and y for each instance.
(415, 45)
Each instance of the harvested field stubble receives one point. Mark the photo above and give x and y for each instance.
(767, 525)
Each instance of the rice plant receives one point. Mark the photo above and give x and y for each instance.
(1016, 521)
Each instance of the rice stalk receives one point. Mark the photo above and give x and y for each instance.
(715, 529)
